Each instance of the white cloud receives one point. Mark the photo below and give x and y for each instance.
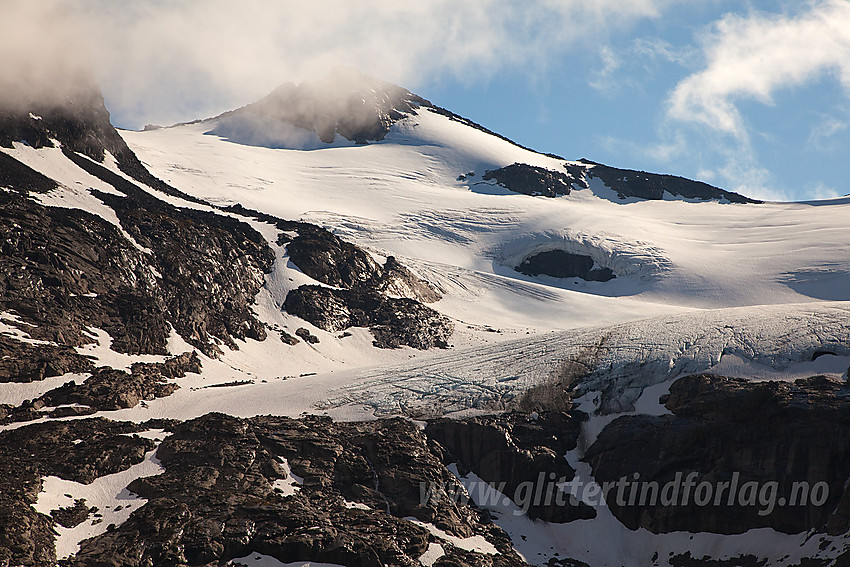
(606, 79)
(747, 58)
(752, 57)
(822, 191)
(41, 55)
(824, 133)
(653, 49)
(168, 60)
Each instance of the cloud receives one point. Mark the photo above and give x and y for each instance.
(168, 60)
(43, 56)
(820, 190)
(823, 135)
(746, 58)
(752, 57)
(607, 79)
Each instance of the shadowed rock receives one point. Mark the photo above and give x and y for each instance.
(532, 180)
(219, 498)
(515, 449)
(653, 186)
(394, 322)
(725, 429)
(561, 264)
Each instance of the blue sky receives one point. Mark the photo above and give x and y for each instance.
(790, 131)
(751, 96)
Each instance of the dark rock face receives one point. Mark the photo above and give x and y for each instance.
(538, 181)
(394, 322)
(71, 516)
(23, 362)
(560, 264)
(514, 449)
(651, 186)
(212, 266)
(108, 389)
(306, 336)
(62, 256)
(325, 257)
(65, 269)
(80, 123)
(74, 450)
(365, 299)
(217, 498)
(15, 175)
(532, 180)
(722, 429)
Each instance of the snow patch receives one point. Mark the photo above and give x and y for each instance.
(477, 543)
(291, 484)
(435, 551)
(108, 493)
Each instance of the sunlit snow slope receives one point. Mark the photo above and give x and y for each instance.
(402, 196)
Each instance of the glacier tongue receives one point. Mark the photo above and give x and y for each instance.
(618, 361)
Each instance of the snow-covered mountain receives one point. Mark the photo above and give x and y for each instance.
(348, 249)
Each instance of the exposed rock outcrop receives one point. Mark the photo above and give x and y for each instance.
(107, 389)
(211, 265)
(561, 264)
(25, 362)
(73, 450)
(772, 434)
(66, 269)
(355, 106)
(71, 516)
(539, 181)
(387, 299)
(80, 123)
(221, 497)
(63, 270)
(327, 258)
(653, 186)
(515, 448)
(394, 322)
(532, 180)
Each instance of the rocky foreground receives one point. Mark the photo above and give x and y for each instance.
(386, 492)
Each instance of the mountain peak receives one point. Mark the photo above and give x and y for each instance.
(356, 106)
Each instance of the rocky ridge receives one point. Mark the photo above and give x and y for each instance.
(358, 494)
(538, 181)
